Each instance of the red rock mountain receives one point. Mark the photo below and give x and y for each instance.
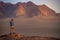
(28, 9)
(46, 11)
(20, 9)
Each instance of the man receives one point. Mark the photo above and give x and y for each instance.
(11, 27)
(11, 22)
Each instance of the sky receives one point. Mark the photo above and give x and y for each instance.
(53, 4)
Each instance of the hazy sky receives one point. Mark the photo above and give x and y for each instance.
(53, 4)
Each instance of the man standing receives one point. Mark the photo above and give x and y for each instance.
(11, 22)
(11, 27)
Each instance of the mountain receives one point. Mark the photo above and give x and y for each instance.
(6, 9)
(20, 9)
(46, 11)
(28, 9)
(1, 7)
(58, 14)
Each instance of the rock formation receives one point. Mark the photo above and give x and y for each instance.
(28, 9)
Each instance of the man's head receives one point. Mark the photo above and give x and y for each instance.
(11, 19)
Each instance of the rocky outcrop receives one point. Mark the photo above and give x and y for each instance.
(13, 36)
(19, 37)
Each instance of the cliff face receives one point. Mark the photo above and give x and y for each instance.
(25, 9)
(20, 11)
